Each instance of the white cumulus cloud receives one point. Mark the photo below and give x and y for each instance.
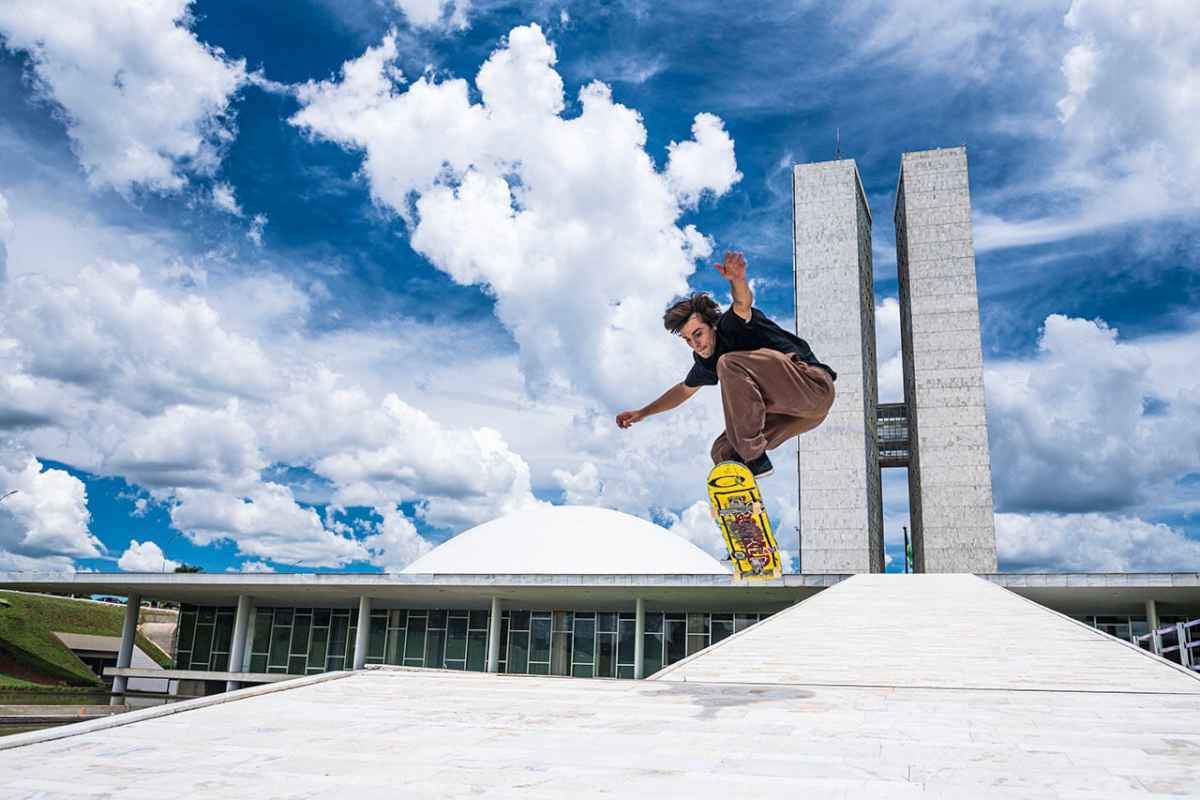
(1092, 423)
(703, 164)
(435, 13)
(145, 557)
(43, 517)
(1092, 543)
(144, 101)
(566, 222)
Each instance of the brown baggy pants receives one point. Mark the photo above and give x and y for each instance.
(769, 397)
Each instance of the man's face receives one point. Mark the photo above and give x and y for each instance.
(699, 336)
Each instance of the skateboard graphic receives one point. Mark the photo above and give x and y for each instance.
(738, 509)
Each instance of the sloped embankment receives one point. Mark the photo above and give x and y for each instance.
(30, 651)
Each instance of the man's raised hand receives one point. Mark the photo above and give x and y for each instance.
(733, 268)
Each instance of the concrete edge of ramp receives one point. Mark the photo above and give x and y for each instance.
(757, 626)
(1155, 658)
(154, 712)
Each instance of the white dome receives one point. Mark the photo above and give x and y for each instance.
(567, 540)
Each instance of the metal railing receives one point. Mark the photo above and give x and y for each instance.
(1174, 643)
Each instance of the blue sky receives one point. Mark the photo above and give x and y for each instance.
(298, 286)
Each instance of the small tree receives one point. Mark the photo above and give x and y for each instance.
(189, 568)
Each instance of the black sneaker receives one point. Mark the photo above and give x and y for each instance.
(760, 467)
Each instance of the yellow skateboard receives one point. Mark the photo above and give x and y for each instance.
(738, 509)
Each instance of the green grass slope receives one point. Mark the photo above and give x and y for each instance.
(28, 623)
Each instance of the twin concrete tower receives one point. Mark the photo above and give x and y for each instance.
(939, 432)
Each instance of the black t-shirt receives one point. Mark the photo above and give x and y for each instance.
(735, 334)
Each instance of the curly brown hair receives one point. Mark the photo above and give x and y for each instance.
(679, 312)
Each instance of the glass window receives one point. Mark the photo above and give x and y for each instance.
(519, 620)
(377, 636)
(206, 614)
(456, 639)
(539, 647)
(654, 622)
(721, 629)
(183, 660)
(318, 641)
(625, 645)
(476, 650)
(539, 669)
(296, 665)
(582, 671)
(435, 646)
(625, 672)
(202, 648)
(606, 623)
(502, 665)
(262, 632)
(258, 663)
(652, 657)
(398, 618)
(338, 633)
(585, 639)
(518, 651)
(321, 617)
(300, 635)
(479, 620)
(187, 630)
(414, 647)
(220, 662)
(697, 623)
(281, 637)
(743, 621)
(437, 619)
(675, 640)
(606, 655)
(696, 643)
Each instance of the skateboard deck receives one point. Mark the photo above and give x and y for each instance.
(737, 508)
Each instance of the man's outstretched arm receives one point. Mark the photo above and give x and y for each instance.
(670, 399)
(733, 269)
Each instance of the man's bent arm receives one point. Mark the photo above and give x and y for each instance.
(669, 399)
(733, 269)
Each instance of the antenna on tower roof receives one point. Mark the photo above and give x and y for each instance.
(837, 148)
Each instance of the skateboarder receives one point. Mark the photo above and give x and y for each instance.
(772, 386)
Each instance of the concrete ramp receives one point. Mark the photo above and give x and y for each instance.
(932, 632)
(900, 687)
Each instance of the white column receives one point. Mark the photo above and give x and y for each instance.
(493, 655)
(363, 633)
(237, 648)
(1152, 615)
(639, 638)
(128, 634)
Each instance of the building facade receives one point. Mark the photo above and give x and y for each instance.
(939, 432)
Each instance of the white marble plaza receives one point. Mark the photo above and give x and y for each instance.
(882, 686)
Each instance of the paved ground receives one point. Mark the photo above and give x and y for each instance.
(1051, 714)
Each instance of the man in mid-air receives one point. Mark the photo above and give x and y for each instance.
(772, 386)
